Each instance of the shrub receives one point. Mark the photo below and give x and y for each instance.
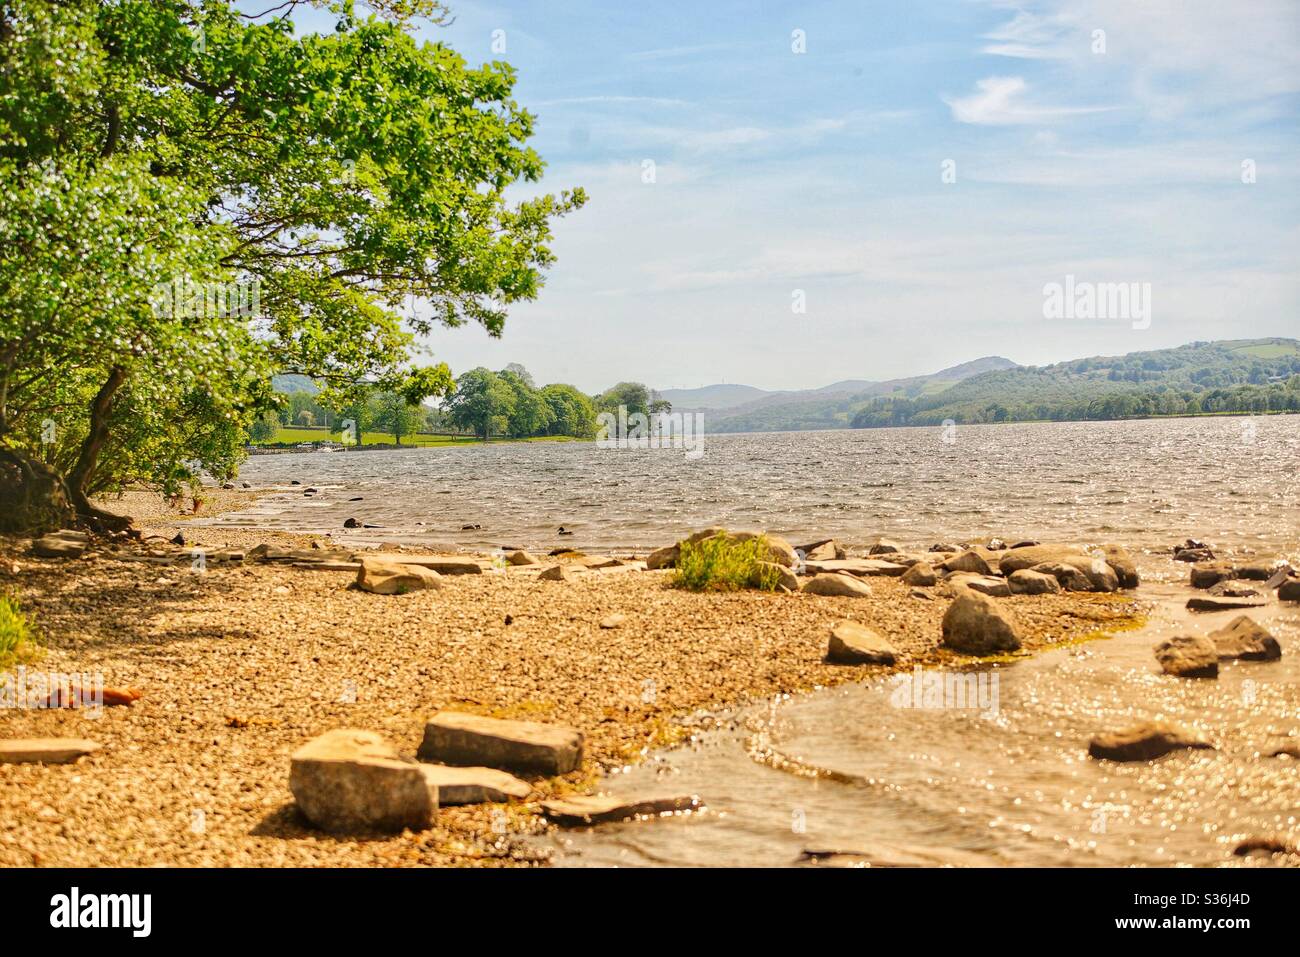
(16, 640)
(718, 564)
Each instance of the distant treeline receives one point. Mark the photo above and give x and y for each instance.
(480, 402)
(1197, 379)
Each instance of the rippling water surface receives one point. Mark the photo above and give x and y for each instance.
(1007, 784)
(1232, 480)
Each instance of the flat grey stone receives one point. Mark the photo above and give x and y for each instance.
(457, 738)
(601, 809)
(45, 750)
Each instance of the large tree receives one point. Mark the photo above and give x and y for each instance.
(338, 175)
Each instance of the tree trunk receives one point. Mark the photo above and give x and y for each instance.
(33, 497)
(78, 480)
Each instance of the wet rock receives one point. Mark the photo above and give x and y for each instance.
(883, 546)
(1210, 603)
(1187, 656)
(1245, 639)
(470, 528)
(974, 624)
(1067, 576)
(178, 539)
(1030, 582)
(835, 585)
(968, 562)
(784, 576)
(996, 545)
(1289, 590)
(944, 547)
(1265, 847)
(245, 484)
(1143, 742)
(1027, 543)
(585, 809)
(889, 855)
(349, 780)
(351, 523)
(1193, 555)
(920, 574)
(45, 750)
(1205, 576)
(475, 785)
(1101, 576)
(1233, 589)
(383, 577)
(1258, 571)
(54, 546)
(456, 738)
(522, 558)
(825, 550)
(662, 558)
(855, 644)
(1121, 562)
(613, 621)
(1287, 751)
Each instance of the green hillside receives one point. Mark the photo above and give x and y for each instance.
(1245, 375)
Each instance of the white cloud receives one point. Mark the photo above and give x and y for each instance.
(1000, 101)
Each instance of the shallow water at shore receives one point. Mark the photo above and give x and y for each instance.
(1142, 483)
(1005, 784)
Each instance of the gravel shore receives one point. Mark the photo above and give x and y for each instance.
(240, 665)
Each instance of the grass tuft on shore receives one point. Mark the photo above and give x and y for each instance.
(17, 642)
(716, 564)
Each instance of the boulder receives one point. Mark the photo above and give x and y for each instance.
(453, 737)
(784, 576)
(662, 558)
(1289, 590)
(920, 574)
(1258, 571)
(1205, 576)
(475, 785)
(1014, 559)
(1143, 742)
(350, 780)
(1067, 576)
(834, 585)
(448, 564)
(1121, 562)
(778, 549)
(827, 549)
(1187, 656)
(855, 644)
(1026, 581)
(969, 561)
(584, 809)
(558, 573)
(382, 577)
(522, 558)
(974, 624)
(45, 750)
(883, 546)
(1243, 638)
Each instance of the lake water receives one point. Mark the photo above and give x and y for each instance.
(1230, 480)
(1008, 783)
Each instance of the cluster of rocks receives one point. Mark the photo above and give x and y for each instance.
(1198, 656)
(1235, 583)
(350, 780)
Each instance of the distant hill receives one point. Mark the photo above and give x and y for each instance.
(832, 406)
(1240, 375)
(713, 396)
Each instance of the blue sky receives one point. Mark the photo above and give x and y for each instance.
(821, 171)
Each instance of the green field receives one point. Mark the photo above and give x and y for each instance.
(1269, 351)
(292, 436)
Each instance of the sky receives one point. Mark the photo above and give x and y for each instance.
(912, 174)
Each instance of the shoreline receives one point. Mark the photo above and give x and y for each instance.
(241, 665)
